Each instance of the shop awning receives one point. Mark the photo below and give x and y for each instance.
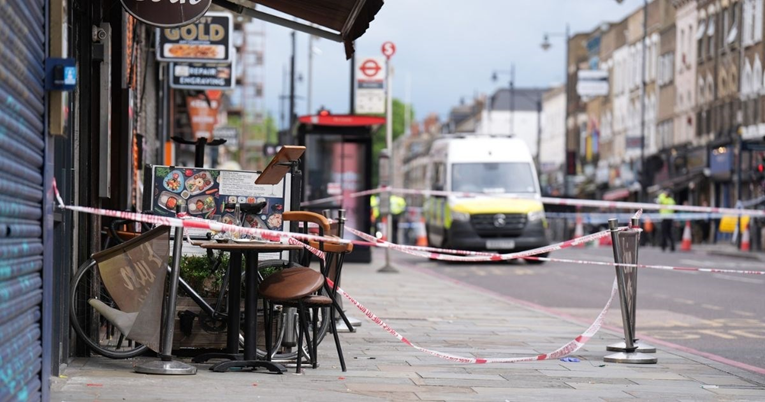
(345, 20)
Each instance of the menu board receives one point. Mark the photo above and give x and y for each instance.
(213, 194)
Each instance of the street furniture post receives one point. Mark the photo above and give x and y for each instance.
(166, 365)
(386, 174)
(625, 246)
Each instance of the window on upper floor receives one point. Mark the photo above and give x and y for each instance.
(711, 36)
(700, 91)
(700, 34)
(758, 15)
(756, 76)
(732, 32)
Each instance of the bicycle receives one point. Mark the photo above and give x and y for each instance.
(105, 339)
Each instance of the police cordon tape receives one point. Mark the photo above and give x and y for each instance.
(292, 238)
(565, 350)
(550, 201)
(603, 217)
(471, 256)
(194, 223)
(443, 255)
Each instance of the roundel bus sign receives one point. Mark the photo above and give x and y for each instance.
(388, 49)
(167, 13)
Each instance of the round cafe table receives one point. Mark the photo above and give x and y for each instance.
(250, 250)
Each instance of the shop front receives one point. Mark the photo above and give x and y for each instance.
(84, 101)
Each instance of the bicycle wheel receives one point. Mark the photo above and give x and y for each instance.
(101, 336)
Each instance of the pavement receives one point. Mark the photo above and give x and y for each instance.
(446, 315)
(729, 250)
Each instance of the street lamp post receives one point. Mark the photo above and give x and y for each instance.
(511, 94)
(546, 45)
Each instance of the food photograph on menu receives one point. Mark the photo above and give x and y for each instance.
(213, 194)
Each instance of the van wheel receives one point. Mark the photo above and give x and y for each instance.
(538, 262)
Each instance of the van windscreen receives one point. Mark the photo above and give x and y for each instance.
(491, 177)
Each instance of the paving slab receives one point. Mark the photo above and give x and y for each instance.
(444, 316)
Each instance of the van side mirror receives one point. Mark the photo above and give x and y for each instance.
(438, 187)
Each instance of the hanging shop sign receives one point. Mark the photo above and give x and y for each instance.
(167, 13)
(230, 134)
(203, 113)
(208, 40)
(201, 76)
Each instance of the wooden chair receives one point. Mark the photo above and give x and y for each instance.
(290, 289)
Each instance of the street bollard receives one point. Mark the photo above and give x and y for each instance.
(166, 365)
(625, 246)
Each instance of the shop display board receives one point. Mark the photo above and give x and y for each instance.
(213, 193)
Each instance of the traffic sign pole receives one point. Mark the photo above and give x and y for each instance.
(388, 49)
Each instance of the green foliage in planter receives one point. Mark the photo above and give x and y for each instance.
(197, 271)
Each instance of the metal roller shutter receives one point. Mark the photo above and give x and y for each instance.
(22, 109)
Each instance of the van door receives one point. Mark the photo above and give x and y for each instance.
(435, 206)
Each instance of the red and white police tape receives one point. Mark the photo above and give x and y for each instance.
(470, 256)
(194, 223)
(565, 350)
(552, 201)
(562, 351)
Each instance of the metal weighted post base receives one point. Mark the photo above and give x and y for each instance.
(166, 365)
(622, 347)
(630, 358)
(172, 367)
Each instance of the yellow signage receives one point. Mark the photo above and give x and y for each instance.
(728, 223)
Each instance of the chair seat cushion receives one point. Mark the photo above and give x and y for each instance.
(317, 300)
(291, 284)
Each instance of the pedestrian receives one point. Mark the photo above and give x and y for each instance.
(397, 209)
(666, 220)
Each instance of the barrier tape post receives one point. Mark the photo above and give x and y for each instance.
(625, 246)
(166, 365)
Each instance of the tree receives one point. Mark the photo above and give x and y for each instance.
(378, 139)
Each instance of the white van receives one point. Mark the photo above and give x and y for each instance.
(510, 217)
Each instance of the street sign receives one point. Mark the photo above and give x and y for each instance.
(592, 83)
(203, 115)
(370, 85)
(388, 49)
(201, 76)
(208, 40)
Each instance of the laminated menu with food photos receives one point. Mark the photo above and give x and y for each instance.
(213, 194)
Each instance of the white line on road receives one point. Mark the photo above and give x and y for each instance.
(740, 279)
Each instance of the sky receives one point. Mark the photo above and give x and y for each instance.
(445, 49)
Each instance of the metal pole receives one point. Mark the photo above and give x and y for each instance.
(310, 75)
(539, 135)
(291, 118)
(642, 103)
(166, 365)
(512, 99)
(739, 188)
(565, 122)
(626, 246)
(389, 144)
(352, 106)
